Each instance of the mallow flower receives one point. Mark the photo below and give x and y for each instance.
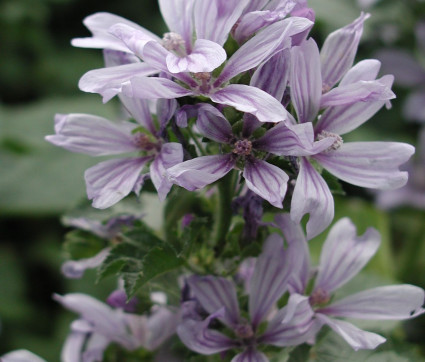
(110, 181)
(180, 81)
(343, 255)
(358, 96)
(99, 325)
(266, 324)
(245, 153)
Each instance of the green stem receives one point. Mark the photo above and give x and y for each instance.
(197, 143)
(223, 212)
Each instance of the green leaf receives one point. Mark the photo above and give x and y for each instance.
(82, 244)
(140, 257)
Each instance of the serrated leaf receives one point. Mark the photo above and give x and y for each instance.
(140, 257)
(81, 244)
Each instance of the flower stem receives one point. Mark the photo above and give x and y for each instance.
(223, 212)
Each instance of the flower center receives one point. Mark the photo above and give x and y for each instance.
(338, 141)
(144, 142)
(319, 297)
(244, 331)
(242, 147)
(174, 42)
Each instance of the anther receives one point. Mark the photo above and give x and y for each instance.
(173, 42)
(319, 297)
(242, 147)
(338, 141)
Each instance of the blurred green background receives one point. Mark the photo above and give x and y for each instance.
(39, 73)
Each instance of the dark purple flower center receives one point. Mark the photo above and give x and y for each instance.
(338, 141)
(319, 297)
(144, 142)
(242, 147)
(244, 331)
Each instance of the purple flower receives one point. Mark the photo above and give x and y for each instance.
(21, 355)
(110, 181)
(245, 153)
(409, 73)
(413, 193)
(99, 325)
(343, 255)
(289, 326)
(254, 52)
(358, 97)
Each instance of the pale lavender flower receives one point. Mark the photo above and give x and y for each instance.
(254, 52)
(264, 179)
(110, 181)
(358, 96)
(21, 355)
(260, 14)
(413, 193)
(99, 325)
(343, 256)
(289, 326)
(409, 73)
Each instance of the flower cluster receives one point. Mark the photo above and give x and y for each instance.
(236, 98)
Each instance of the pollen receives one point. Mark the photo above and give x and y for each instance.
(338, 141)
(242, 147)
(173, 42)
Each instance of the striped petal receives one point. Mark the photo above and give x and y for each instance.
(312, 196)
(344, 254)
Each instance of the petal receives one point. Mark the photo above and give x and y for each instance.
(339, 50)
(270, 278)
(254, 21)
(312, 196)
(139, 110)
(171, 154)
(74, 269)
(96, 344)
(250, 355)
(73, 346)
(92, 135)
(294, 235)
(215, 19)
(285, 139)
(262, 47)
(355, 337)
(251, 100)
(110, 181)
(212, 124)
(103, 319)
(178, 17)
(368, 164)
(134, 38)
(266, 180)
(361, 91)
(390, 302)
(201, 171)
(109, 81)
(199, 338)
(292, 325)
(215, 293)
(99, 24)
(272, 76)
(205, 57)
(344, 254)
(21, 355)
(306, 80)
(165, 110)
(154, 88)
(367, 69)
(162, 324)
(345, 118)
